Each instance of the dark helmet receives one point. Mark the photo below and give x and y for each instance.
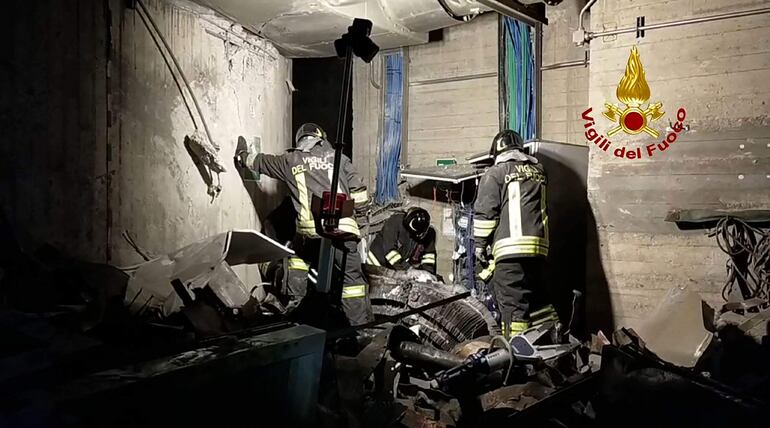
(417, 222)
(504, 141)
(309, 129)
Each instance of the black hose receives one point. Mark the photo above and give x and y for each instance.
(419, 354)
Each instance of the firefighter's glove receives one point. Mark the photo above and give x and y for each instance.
(481, 256)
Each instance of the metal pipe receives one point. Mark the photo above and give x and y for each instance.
(453, 79)
(677, 23)
(538, 83)
(507, 10)
(371, 74)
(453, 15)
(583, 11)
(566, 64)
(179, 69)
(156, 39)
(577, 63)
(502, 102)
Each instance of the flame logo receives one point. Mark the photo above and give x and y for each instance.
(633, 91)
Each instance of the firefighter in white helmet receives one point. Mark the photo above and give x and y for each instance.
(307, 171)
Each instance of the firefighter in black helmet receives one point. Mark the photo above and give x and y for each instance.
(406, 240)
(307, 169)
(511, 219)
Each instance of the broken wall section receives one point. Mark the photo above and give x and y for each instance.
(159, 194)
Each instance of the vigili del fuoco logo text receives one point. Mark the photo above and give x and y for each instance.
(634, 116)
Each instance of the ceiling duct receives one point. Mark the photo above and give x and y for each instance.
(308, 28)
(531, 12)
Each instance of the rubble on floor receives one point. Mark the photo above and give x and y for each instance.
(688, 365)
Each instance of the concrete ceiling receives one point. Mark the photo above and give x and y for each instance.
(308, 28)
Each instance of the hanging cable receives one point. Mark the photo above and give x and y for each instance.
(390, 149)
(519, 78)
(148, 17)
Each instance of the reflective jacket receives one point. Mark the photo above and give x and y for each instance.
(510, 210)
(308, 173)
(395, 248)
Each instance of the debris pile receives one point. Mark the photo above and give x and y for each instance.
(695, 369)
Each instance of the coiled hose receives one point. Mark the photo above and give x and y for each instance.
(748, 266)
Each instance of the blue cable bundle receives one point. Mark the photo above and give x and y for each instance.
(390, 150)
(520, 71)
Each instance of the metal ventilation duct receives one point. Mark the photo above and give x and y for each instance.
(308, 28)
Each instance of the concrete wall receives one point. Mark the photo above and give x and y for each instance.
(565, 90)
(96, 135)
(719, 72)
(453, 119)
(242, 92)
(53, 155)
(444, 120)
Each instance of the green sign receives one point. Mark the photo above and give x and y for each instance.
(446, 162)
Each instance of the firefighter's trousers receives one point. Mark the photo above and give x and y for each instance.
(348, 282)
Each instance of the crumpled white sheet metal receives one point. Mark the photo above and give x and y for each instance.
(207, 261)
(680, 329)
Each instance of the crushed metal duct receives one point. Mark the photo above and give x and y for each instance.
(445, 327)
(305, 28)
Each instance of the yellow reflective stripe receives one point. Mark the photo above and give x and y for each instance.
(546, 310)
(391, 254)
(353, 291)
(349, 225)
(540, 321)
(307, 229)
(372, 259)
(523, 240)
(481, 233)
(305, 223)
(514, 209)
(517, 327)
(543, 315)
(429, 259)
(360, 196)
(483, 228)
(485, 274)
(295, 263)
(522, 249)
(304, 200)
(393, 257)
(544, 211)
(521, 245)
(485, 224)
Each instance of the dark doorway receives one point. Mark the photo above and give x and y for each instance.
(317, 98)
